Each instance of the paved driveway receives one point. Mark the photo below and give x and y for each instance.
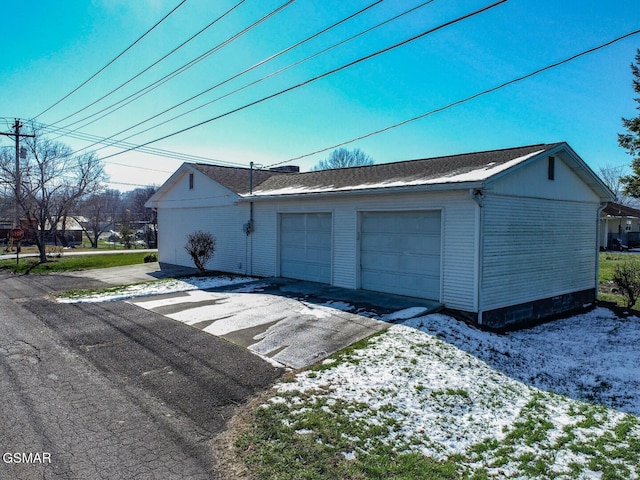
(289, 322)
(112, 391)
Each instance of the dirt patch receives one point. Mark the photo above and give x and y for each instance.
(228, 460)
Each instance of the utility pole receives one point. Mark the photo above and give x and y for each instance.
(16, 134)
(16, 221)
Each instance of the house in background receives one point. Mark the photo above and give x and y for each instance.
(619, 225)
(5, 228)
(504, 237)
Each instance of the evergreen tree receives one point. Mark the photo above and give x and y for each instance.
(630, 141)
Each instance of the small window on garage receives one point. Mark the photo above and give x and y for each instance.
(552, 168)
(191, 181)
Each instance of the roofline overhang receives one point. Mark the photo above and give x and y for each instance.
(580, 168)
(439, 187)
(152, 202)
(596, 183)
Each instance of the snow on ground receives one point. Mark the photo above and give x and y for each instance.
(404, 314)
(157, 287)
(592, 357)
(449, 388)
(402, 369)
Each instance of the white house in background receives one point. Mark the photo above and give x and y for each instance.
(505, 237)
(619, 225)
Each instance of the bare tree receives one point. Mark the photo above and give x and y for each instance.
(52, 180)
(200, 246)
(343, 158)
(97, 214)
(612, 177)
(135, 201)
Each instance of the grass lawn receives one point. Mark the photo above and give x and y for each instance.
(434, 398)
(76, 262)
(608, 262)
(437, 399)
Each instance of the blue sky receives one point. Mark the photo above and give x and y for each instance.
(51, 47)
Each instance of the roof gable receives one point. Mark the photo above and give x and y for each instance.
(233, 180)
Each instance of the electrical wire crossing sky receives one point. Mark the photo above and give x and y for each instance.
(150, 84)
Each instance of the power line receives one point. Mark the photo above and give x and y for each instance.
(277, 72)
(112, 61)
(187, 157)
(318, 77)
(151, 150)
(80, 162)
(127, 184)
(247, 70)
(143, 91)
(283, 69)
(464, 100)
(164, 57)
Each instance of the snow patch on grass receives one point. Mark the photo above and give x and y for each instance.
(158, 287)
(560, 399)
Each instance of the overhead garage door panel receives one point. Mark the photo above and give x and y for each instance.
(305, 246)
(410, 222)
(413, 264)
(400, 252)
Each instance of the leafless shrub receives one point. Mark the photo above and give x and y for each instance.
(200, 246)
(627, 276)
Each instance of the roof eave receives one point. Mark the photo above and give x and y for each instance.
(366, 191)
(579, 166)
(508, 171)
(587, 175)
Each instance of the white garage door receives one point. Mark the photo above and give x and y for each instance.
(305, 246)
(400, 253)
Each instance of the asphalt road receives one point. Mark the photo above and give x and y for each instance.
(91, 391)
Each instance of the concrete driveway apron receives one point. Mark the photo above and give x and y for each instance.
(292, 323)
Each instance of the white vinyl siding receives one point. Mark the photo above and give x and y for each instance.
(400, 252)
(459, 238)
(533, 181)
(536, 248)
(305, 246)
(528, 238)
(223, 222)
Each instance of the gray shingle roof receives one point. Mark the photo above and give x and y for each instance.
(441, 169)
(235, 179)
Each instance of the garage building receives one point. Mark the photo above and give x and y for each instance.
(504, 237)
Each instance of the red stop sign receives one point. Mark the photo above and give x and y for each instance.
(17, 233)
